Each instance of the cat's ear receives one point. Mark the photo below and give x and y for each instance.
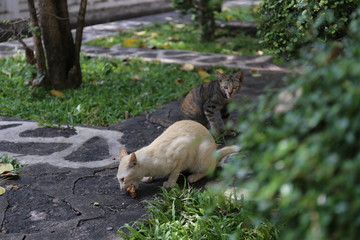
(220, 76)
(133, 160)
(123, 153)
(239, 76)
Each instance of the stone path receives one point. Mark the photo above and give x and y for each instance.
(69, 170)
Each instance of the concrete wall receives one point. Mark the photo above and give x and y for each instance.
(97, 10)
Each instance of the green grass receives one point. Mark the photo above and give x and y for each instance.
(110, 88)
(194, 214)
(178, 36)
(181, 37)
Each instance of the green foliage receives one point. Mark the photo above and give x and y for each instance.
(110, 88)
(287, 25)
(241, 14)
(193, 6)
(192, 214)
(303, 146)
(203, 12)
(182, 37)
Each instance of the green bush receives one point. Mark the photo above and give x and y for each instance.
(302, 146)
(287, 25)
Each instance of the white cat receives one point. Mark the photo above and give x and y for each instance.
(185, 145)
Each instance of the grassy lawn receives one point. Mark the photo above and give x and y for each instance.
(110, 88)
(180, 36)
(194, 214)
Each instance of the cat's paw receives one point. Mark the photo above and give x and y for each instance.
(147, 179)
(195, 177)
(168, 184)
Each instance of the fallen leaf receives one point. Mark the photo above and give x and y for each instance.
(260, 53)
(256, 75)
(154, 34)
(179, 25)
(229, 17)
(96, 204)
(132, 191)
(187, 67)
(140, 33)
(165, 46)
(255, 72)
(136, 77)
(219, 70)
(10, 175)
(2, 190)
(56, 93)
(13, 187)
(179, 81)
(173, 39)
(131, 42)
(6, 167)
(203, 74)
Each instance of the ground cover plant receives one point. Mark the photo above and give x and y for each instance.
(194, 214)
(111, 88)
(302, 145)
(181, 36)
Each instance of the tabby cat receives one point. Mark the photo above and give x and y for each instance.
(203, 102)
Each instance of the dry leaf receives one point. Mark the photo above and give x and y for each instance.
(132, 191)
(56, 93)
(187, 67)
(13, 187)
(2, 190)
(255, 72)
(229, 17)
(179, 81)
(173, 39)
(154, 34)
(136, 77)
(9, 175)
(203, 74)
(131, 42)
(180, 25)
(260, 53)
(141, 33)
(165, 46)
(6, 167)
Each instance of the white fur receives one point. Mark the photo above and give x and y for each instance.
(185, 145)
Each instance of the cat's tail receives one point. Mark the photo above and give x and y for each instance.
(220, 153)
(160, 121)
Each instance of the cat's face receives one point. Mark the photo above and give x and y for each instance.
(127, 171)
(231, 83)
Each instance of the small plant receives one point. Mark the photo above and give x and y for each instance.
(10, 160)
(194, 214)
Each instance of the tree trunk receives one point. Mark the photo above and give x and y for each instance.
(63, 66)
(207, 21)
(38, 47)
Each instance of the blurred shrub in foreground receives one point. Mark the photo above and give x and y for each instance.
(302, 146)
